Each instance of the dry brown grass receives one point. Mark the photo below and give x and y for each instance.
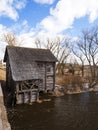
(72, 80)
(2, 74)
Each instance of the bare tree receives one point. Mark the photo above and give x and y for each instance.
(11, 39)
(60, 48)
(63, 51)
(80, 56)
(37, 42)
(88, 46)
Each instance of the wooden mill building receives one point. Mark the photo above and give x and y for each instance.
(29, 71)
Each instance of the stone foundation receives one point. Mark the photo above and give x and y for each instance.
(4, 124)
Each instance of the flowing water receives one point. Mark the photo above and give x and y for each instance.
(70, 112)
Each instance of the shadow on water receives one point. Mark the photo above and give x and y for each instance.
(70, 112)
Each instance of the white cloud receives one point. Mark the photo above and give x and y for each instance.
(44, 1)
(26, 39)
(19, 4)
(61, 17)
(25, 35)
(21, 27)
(3, 30)
(9, 8)
(66, 11)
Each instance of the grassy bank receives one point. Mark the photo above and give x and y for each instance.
(72, 84)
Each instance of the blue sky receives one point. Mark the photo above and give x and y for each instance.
(29, 19)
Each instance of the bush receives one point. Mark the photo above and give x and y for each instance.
(69, 80)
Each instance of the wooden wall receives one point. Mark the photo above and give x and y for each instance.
(50, 76)
(43, 76)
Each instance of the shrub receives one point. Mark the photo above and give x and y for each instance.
(69, 80)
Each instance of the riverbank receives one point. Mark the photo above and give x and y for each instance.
(4, 124)
(61, 91)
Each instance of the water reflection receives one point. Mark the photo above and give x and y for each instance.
(70, 112)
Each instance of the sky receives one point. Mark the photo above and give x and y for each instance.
(29, 19)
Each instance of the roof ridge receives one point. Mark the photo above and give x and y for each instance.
(26, 47)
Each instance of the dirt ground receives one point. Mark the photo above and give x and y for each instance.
(2, 74)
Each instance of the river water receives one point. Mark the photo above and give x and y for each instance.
(69, 112)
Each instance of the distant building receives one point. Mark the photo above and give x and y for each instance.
(28, 69)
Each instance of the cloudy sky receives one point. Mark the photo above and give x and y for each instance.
(46, 18)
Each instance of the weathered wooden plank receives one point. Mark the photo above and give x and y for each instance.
(26, 97)
(28, 90)
(19, 98)
(54, 75)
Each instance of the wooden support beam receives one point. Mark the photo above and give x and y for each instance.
(45, 78)
(54, 75)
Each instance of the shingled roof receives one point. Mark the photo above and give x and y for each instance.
(21, 59)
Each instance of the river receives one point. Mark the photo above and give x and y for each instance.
(69, 112)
